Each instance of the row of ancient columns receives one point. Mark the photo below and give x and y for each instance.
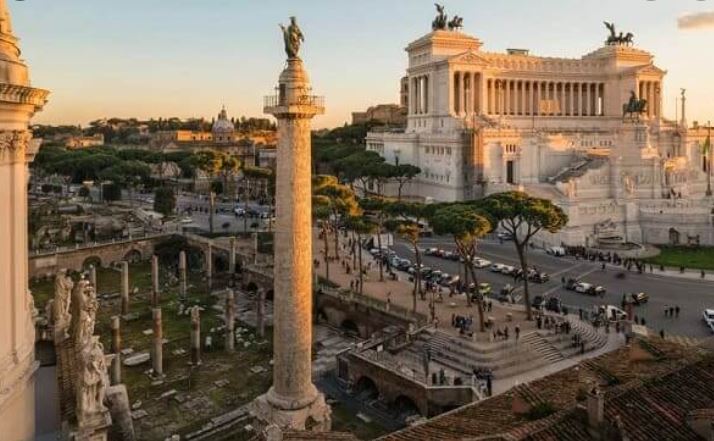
(545, 98)
(420, 98)
(467, 93)
(652, 92)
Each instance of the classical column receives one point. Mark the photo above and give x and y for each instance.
(116, 350)
(464, 100)
(195, 336)
(155, 288)
(571, 99)
(293, 400)
(260, 312)
(491, 96)
(587, 99)
(209, 265)
(230, 320)
(93, 277)
(182, 275)
(507, 98)
(524, 96)
(232, 256)
(18, 103)
(124, 287)
(157, 356)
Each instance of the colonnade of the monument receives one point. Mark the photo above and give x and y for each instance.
(472, 92)
(652, 92)
(420, 101)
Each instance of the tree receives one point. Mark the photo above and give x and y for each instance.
(466, 225)
(406, 219)
(360, 227)
(339, 200)
(217, 187)
(377, 206)
(403, 174)
(523, 217)
(164, 200)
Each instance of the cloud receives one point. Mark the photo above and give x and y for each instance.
(700, 20)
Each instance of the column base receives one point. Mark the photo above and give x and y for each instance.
(314, 416)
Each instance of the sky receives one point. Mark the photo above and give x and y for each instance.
(187, 58)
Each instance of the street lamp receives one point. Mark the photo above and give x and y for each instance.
(708, 150)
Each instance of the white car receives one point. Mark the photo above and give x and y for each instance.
(613, 312)
(508, 269)
(583, 287)
(186, 220)
(497, 267)
(708, 317)
(481, 263)
(556, 251)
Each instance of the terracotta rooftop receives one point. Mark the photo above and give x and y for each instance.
(318, 436)
(650, 388)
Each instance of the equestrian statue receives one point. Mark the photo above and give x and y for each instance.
(618, 40)
(634, 107)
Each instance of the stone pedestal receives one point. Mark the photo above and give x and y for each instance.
(157, 355)
(155, 287)
(115, 370)
(230, 321)
(182, 274)
(120, 411)
(293, 402)
(232, 257)
(124, 287)
(94, 427)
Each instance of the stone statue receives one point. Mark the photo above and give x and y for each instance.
(634, 107)
(456, 23)
(61, 305)
(683, 92)
(614, 39)
(92, 382)
(440, 22)
(87, 320)
(292, 36)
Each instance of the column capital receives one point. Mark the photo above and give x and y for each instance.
(17, 146)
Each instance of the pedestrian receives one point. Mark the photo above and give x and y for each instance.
(671, 311)
(703, 274)
(505, 332)
(642, 321)
(562, 280)
(676, 311)
(666, 310)
(661, 334)
(603, 266)
(518, 332)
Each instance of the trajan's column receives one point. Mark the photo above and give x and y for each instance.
(293, 402)
(18, 102)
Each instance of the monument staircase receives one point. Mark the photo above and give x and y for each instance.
(508, 358)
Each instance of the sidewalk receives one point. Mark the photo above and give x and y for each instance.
(668, 272)
(399, 293)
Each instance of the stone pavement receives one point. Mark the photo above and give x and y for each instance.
(399, 292)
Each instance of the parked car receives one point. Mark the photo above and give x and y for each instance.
(556, 251)
(431, 251)
(597, 291)
(452, 255)
(186, 220)
(238, 211)
(504, 295)
(639, 298)
(554, 304)
(481, 263)
(497, 267)
(504, 236)
(570, 284)
(403, 264)
(538, 302)
(535, 276)
(583, 288)
(612, 312)
(708, 317)
(508, 270)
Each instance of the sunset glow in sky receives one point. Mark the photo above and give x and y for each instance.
(151, 58)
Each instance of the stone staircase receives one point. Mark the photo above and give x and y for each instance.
(507, 358)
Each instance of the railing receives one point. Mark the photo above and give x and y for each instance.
(300, 100)
(378, 304)
(84, 246)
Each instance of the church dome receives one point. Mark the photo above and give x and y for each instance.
(223, 124)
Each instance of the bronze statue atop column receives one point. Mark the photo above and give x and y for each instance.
(292, 36)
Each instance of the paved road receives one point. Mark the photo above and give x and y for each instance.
(692, 296)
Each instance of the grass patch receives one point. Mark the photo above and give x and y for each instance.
(688, 257)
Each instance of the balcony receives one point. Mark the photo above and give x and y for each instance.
(300, 100)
